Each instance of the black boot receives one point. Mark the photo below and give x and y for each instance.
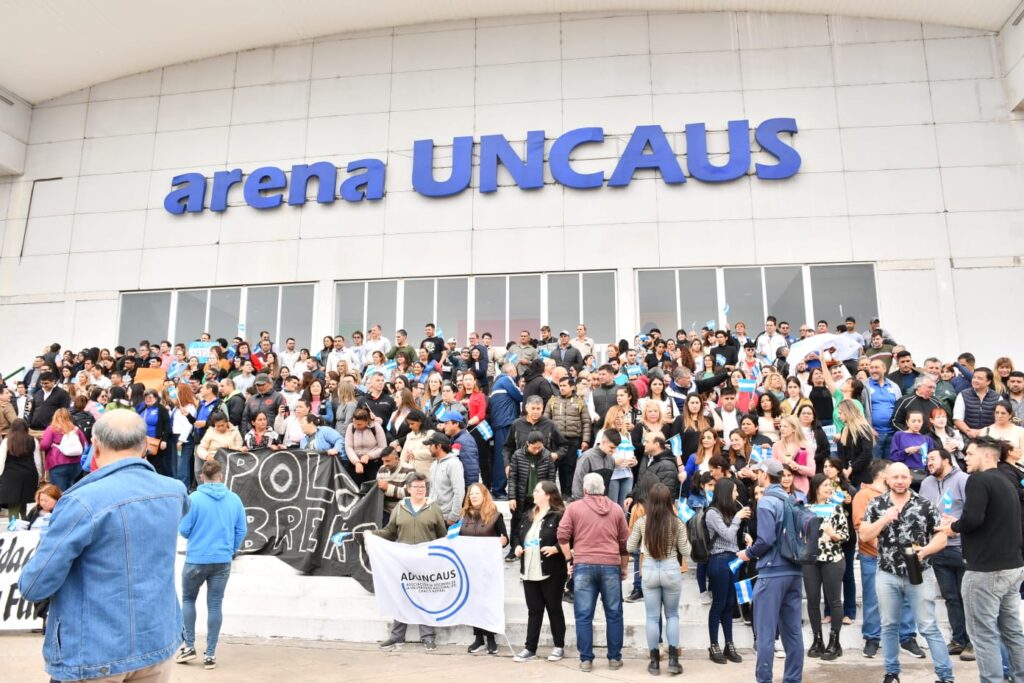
(674, 667)
(476, 646)
(654, 668)
(817, 647)
(834, 649)
(731, 654)
(492, 647)
(715, 653)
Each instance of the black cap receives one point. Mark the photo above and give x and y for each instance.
(437, 439)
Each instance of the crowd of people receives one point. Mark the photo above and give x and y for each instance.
(700, 447)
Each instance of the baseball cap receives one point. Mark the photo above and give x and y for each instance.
(451, 340)
(563, 333)
(262, 378)
(437, 439)
(771, 467)
(451, 416)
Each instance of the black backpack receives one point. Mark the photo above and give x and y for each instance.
(700, 540)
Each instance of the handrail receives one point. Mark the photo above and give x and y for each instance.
(7, 377)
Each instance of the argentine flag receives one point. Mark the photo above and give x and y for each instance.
(686, 513)
(454, 529)
(621, 379)
(484, 430)
(511, 358)
(391, 365)
(947, 502)
(747, 385)
(744, 591)
(838, 498)
(735, 565)
(440, 411)
(676, 444)
(824, 510)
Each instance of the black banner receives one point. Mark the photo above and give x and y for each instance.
(295, 502)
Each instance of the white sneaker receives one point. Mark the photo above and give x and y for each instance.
(780, 652)
(524, 656)
(556, 655)
(705, 598)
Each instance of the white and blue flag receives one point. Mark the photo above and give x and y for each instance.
(454, 530)
(685, 513)
(484, 430)
(744, 591)
(676, 444)
(735, 565)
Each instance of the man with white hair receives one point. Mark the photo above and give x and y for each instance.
(113, 535)
(592, 536)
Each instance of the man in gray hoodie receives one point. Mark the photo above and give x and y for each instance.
(447, 481)
(598, 459)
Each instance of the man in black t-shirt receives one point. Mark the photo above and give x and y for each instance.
(433, 344)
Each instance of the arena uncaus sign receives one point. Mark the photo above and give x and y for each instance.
(648, 147)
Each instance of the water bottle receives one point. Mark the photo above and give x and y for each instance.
(914, 572)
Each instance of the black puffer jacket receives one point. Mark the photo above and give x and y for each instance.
(662, 469)
(520, 430)
(519, 472)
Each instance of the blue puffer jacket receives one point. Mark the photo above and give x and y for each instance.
(468, 454)
(107, 565)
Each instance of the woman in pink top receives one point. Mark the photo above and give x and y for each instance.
(62, 459)
(791, 450)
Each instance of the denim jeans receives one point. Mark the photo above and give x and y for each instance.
(663, 582)
(618, 489)
(849, 584)
(779, 601)
(193, 576)
(589, 582)
(871, 628)
(63, 476)
(183, 462)
(723, 596)
(702, 576)
(891, 591)
(949, 568)
(882, 446)
(992, 610)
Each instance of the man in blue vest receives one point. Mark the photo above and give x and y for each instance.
(778, 593)
(503, 409)
(974, 407)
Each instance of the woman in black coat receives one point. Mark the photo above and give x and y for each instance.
(539, 557)
(158, 428)
(856, 443)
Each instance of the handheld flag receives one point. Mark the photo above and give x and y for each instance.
(735, 565)
(454, 529)
(757, 454)
(744, 591)
(440, 411)
(341, 537)
(621, 379)
(13, 524)
(725, 309)
(676, 444)
(685, 513)
(747, 385)
(924, 451)
(633, 370)
(947, 502)
(709, 495)
(719, 359)
(710, 324)
(484, 430)
(511, 358)
(824, 510)
(838, 498)
(391, 365)
(544, 353)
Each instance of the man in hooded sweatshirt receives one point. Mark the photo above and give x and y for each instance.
(215, 528)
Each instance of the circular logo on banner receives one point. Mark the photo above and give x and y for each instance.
(440, 586)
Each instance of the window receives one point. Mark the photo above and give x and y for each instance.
(145, 315)
(284, 311)
(499, 304)
(839, 291)
(689, 298)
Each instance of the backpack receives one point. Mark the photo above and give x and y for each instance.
(700, 540)
(70, 446)
(798, 532)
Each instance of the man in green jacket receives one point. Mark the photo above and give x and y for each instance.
(414, 520)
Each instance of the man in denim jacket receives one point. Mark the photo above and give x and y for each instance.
(107, 564)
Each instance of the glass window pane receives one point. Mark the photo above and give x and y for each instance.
(260, 311)
(418, 308)
(698, 293)
(224, 305)
(190, 319)
(144, 316)
(598, 307)
(524, 304)
(785, 295)
(656, 295)
(452, 308)
(839, 291)
(296, 315)
(490, 308)
(564, 302)
(381, 306)
(348, 307)
(743, 294)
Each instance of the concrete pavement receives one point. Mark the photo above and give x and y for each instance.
(278, 660)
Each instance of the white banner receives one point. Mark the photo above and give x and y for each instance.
(440, 583)
(16, 547)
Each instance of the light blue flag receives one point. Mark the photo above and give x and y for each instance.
(824, 510)
(676, 444)
(633, 370)
(391, 365)
(440, 333)
(544, 353)
(13, 524)
(735, 565)
(172, 391)
(747, 385)
(454, 529)
(532, 543)
(756, 454)
(341, 537)
(484, 430)
(924, 452)
(719, 359)
(725, 309)
(621, 379)
(440, 411)
(838, 498)
(947, 502)
(685, 513)
(511, 358)
(710, 324)
(744, 591)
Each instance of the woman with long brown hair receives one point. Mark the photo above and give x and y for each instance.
(481, 518)
(62, 445)
(660, 537)
(183, 416)
(543, 570)
(20, 469)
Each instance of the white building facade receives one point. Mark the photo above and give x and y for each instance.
(908, 200)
